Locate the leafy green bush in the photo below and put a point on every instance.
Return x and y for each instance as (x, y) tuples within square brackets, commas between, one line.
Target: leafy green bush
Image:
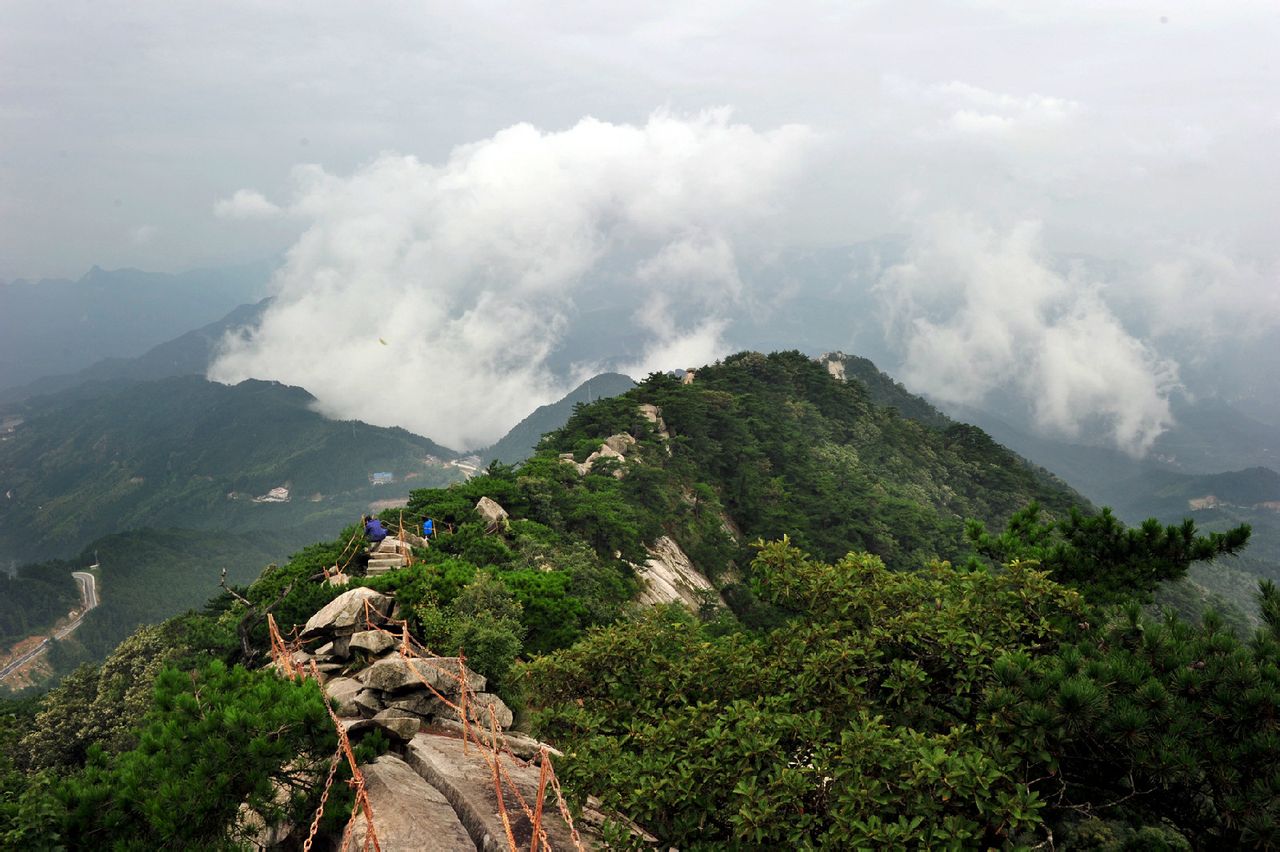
[(857, 724)]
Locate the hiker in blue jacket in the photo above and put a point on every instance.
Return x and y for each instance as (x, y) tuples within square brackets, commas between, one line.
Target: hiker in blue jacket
[(428, 527), (374, 530)]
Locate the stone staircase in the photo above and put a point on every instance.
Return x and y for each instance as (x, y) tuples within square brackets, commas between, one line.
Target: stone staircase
[(389, 555)]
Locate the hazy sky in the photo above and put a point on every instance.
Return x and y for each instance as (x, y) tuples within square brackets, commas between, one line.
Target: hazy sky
[(390, 147)]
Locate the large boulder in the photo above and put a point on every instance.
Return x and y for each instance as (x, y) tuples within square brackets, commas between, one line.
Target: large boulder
[(347, 613), (408, 813), (398, 728), (393, 673), (368, 702), (492, 513), (467, 782), (373, 641), (421, 703), (620, 443)]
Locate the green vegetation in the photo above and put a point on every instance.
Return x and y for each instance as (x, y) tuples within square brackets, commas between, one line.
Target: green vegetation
[(188, 453), (520, 442), (858, 724), (213, 739), (146, 576), (928, 644), (34, 598)]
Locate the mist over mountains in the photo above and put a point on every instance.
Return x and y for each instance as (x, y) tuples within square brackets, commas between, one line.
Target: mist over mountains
[(406, 270), (57, 326)]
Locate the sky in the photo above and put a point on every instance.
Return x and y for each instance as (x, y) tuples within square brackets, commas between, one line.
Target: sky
[(1082, 195)]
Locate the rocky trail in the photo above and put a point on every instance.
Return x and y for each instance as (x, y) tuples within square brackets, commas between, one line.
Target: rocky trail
[(443, 785), (389, 554)]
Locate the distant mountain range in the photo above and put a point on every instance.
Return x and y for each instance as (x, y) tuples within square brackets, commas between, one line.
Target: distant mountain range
[(518, 444), (186, 355), (57, 326), (184, 452)]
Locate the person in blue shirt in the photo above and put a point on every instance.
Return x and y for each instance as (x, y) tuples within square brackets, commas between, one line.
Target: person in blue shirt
[(374, 530), (428, 527)]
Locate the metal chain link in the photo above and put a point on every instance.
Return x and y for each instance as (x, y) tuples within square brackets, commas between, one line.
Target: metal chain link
[(324, 798)]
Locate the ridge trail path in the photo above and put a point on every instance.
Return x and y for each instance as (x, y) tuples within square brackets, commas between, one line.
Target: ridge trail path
[(88, 600), (389, 554)]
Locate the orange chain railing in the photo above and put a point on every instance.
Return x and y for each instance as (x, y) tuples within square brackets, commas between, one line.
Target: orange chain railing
[(492, 752)]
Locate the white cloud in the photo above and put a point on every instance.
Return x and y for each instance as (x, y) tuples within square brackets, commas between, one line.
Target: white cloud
[(431, 297), (983, 111), (246, 204), (143, 234), (1206, 291), (977, 310)]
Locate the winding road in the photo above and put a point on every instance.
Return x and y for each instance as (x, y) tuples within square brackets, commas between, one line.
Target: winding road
[(88, 600)]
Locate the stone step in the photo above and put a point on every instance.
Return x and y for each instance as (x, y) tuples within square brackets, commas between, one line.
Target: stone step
[(397, 561), (408, 813)]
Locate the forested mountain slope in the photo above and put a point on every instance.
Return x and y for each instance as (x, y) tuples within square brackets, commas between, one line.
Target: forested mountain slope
[(144, 577), (192, 454), (789, 450), (857, 694)]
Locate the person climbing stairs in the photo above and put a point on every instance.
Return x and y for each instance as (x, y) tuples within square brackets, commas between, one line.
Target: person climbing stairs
[(388, 555)]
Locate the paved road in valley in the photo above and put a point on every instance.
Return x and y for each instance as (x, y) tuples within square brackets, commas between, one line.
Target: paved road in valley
[(88, 600), (88, 588)]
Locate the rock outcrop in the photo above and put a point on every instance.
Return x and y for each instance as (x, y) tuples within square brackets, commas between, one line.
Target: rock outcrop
[(430, 791), (834, 362), (613, 447), (653, 414), (408, 812), (492, 514), (670, 577)]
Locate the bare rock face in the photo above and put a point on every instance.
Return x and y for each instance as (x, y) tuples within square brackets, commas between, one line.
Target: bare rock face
[(408, 813), (478, 709), (834, 362), (345, 614), (343, 691), (670, 577), (466, 781), (653, 414), (373, 641), (492, 513), (395, 674)]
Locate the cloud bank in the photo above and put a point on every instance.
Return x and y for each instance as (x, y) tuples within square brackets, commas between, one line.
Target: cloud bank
[(976, 311), (432, 296)]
